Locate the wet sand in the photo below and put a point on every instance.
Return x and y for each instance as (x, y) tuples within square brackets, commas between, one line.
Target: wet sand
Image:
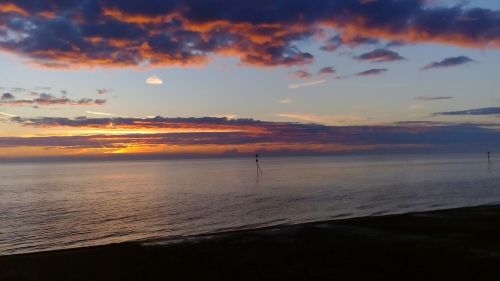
[(458, 244)]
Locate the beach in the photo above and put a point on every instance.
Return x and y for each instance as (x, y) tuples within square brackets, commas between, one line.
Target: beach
[(455, 244)]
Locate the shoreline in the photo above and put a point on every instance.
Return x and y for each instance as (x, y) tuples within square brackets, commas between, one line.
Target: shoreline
[(180, 239), (459, 243)]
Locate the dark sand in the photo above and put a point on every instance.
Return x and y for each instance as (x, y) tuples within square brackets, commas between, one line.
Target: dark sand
[(459, 244)]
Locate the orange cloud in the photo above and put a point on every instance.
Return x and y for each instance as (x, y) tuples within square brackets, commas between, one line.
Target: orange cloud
[(136, 18), (12, 8)]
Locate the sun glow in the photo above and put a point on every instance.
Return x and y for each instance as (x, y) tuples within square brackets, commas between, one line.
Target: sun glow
[(132, 131)]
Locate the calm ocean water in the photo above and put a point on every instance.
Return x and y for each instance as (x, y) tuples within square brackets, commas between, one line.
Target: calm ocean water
[(64, 205)]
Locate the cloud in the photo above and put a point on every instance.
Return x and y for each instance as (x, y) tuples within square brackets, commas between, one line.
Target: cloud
[(154, 80), (334, 43), (18, 89), (427, 123), (415, 106), (448, 62), (103, 91), (395, 44), (100, 113), (7, 114), (380, 55), (431, 98), (217, 135), (306, 84), (49, 99), (477, 111), (135, 33), (285, 101), (326, 71), (7, 96), (333, 119), (322, 73), (90, 101), (301, 74), (372, 72), (369, 72), (11, 8), (134, 123), (227, 116)]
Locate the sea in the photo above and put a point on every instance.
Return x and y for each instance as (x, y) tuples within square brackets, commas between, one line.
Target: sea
[(48, 206)]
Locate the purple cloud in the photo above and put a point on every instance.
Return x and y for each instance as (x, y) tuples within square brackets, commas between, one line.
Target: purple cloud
[(477, 111), (328, 70), (449, 62), (380, 55), (372, 72), (333, 43), (49, 99), (301, 74)]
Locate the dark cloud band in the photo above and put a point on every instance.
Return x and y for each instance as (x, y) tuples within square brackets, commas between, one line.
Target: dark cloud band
[(249, 131), (372, 72), (477, 111), (47, 99), (432, 98)]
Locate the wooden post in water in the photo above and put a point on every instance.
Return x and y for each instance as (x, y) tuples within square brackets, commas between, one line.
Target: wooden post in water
[(257, 164)]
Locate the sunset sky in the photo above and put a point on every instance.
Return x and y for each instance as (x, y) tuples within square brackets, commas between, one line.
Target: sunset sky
[(95, 78)]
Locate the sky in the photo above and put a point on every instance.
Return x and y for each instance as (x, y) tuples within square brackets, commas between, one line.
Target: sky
[(158, 78)]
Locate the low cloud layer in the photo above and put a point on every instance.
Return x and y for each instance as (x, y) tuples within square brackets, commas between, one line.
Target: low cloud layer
[(112, 33), (244, 135)]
